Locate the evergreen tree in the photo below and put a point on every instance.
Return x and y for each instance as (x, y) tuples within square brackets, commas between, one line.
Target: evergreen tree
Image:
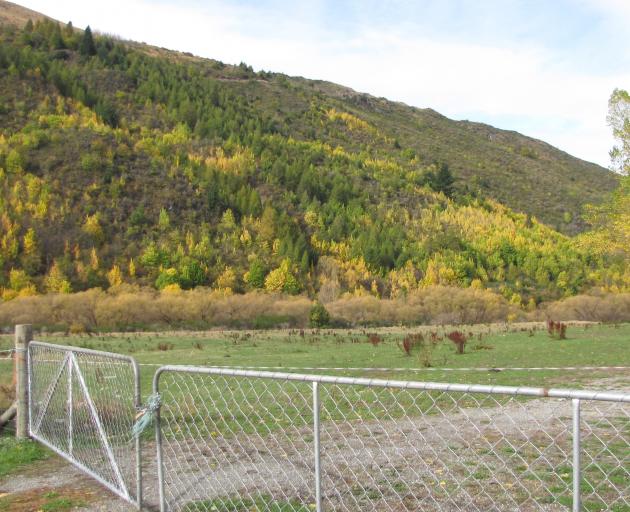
[(56, 39), (255, 276), (69, 30), (87, 46), (319, 316), (443, 181)]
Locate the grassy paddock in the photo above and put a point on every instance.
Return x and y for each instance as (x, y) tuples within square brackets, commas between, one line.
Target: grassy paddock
[(490, 346)]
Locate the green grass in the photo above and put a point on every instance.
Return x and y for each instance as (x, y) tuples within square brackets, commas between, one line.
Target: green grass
[(602, 345), (57, 503), (51, 501), (262, 503), (14, 454)]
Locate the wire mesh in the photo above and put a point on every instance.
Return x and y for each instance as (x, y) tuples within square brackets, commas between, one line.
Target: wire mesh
[(83, 405), (234, 440), (230, 443)]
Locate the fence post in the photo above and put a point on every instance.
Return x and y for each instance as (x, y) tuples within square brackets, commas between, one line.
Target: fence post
[(576, 455), (318, 472), (23, 336), (70, 412), (158, 442)]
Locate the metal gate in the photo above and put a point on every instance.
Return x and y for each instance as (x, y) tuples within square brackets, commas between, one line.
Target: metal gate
[(237, 440), (82, 405)]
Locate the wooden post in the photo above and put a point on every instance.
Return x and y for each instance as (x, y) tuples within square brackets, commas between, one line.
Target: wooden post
[(23, 336)]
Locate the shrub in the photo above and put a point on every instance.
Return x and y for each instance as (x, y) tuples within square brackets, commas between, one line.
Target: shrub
[(91, 162), (410, 341), (609, 307), (459, 339), (271, 321), (77, 328), (557, 329), (374, 339), (430, 305), (167, 277), (318, 316)]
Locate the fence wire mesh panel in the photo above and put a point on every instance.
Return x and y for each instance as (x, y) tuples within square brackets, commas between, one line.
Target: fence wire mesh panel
[(82, 405), (233, 443), (237, 440)]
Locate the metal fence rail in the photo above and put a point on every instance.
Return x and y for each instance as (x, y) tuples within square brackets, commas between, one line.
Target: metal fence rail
[(238, 440), (82, 405)]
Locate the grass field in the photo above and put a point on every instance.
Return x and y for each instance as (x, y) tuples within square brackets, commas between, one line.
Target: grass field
[(492, 346)]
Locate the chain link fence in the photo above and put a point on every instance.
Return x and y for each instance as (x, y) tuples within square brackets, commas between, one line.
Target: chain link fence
[(238, 440), (82, 405)]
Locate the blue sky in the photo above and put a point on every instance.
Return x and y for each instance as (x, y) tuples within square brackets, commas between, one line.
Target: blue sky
[(544, 68)]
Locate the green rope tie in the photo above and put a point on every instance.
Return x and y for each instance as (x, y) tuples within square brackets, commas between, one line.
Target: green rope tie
[(146, 414)]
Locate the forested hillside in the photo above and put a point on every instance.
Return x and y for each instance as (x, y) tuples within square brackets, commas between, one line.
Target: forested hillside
[(123, 163)]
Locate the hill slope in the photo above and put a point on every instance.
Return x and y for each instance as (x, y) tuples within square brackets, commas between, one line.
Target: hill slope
[(525, 174), (124, 162)]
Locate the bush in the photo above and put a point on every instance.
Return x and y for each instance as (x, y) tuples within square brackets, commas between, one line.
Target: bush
[(374, 339), (459, 339), (410, 341), (610, 307), (125, 306), (439, 305), (272, 322), (557, 329), (318, 316)]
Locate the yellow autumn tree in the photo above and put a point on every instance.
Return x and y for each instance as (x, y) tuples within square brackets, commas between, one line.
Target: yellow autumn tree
[(282, 279), (227, 280), (56, 281), (92, 226), (114, 276)]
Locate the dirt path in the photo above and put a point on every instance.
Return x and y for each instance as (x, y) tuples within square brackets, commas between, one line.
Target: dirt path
[(55, 480)]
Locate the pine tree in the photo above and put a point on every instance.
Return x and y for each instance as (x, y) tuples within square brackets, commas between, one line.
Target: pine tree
[(443, 181), (87, 46), (164, 220), (56, 39), (69, 30), (255, 276)]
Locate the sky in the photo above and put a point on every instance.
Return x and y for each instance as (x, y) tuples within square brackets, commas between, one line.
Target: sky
[(545, 68)]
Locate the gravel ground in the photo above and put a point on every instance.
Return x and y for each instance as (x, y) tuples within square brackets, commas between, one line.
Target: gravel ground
[(66, 481), (458, 461)]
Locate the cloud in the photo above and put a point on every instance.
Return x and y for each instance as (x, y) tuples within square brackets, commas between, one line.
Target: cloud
[(523, 84)]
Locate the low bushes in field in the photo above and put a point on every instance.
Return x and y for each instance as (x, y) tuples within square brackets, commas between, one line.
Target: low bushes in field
[(410, 342), (374, 339), (609, 307), (459, 339), (134, 308), (431, 305), (417, 342), (557, 330)]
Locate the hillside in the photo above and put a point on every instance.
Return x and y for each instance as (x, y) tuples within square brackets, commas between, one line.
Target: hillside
[(123, 162), (13, 14), (525, 174)]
